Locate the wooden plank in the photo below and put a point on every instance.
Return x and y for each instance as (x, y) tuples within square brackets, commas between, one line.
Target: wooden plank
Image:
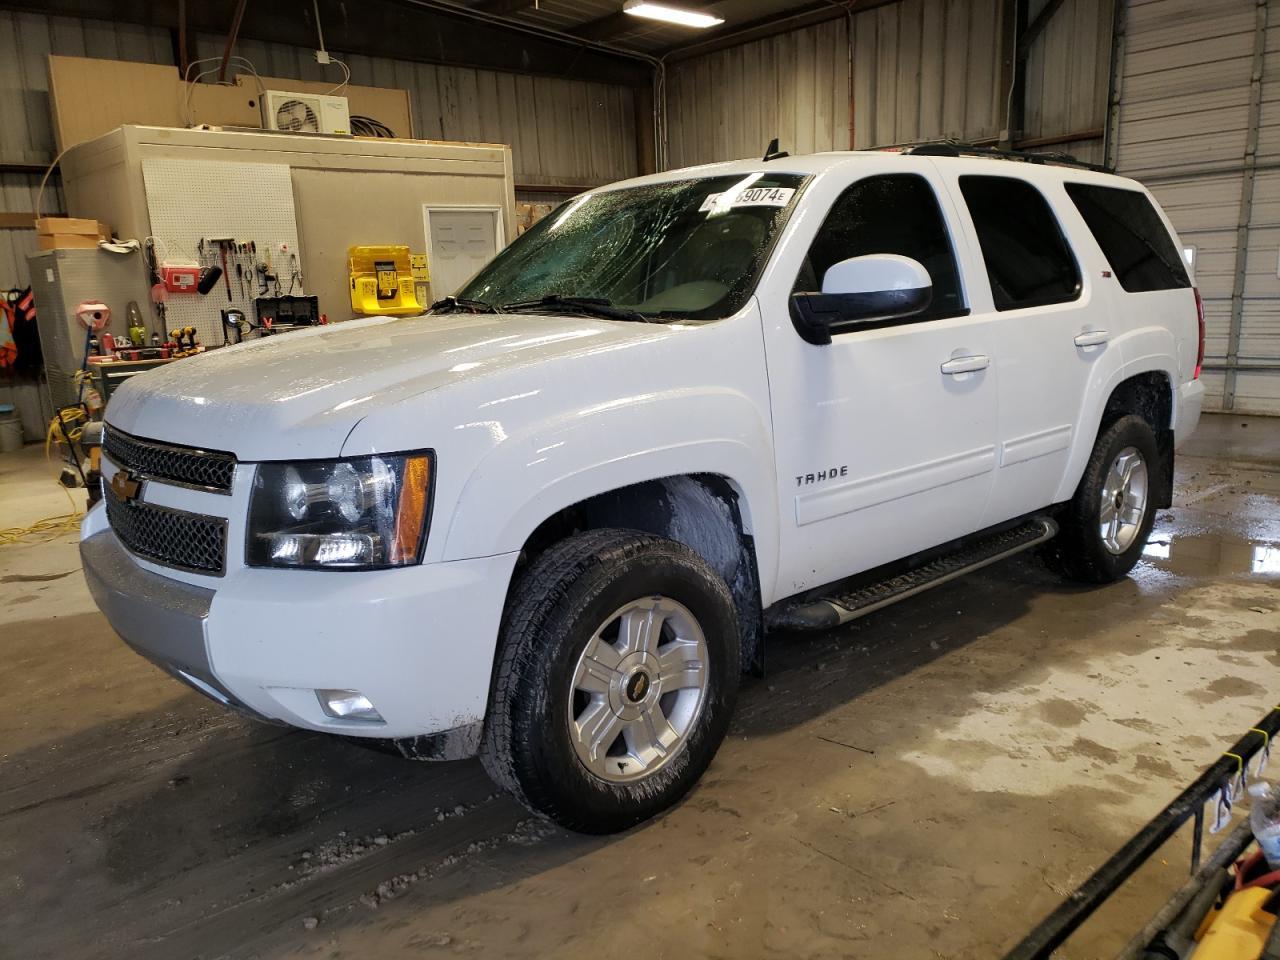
[(90, 97), (17, 221)]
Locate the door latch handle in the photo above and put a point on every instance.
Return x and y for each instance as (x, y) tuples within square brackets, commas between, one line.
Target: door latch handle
[(1092, 338), (965, 364)]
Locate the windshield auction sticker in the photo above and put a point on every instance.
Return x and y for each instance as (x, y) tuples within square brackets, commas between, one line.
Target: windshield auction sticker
[(751, 197)]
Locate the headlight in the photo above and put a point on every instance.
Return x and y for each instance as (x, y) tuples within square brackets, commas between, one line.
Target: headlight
[(340, 514)]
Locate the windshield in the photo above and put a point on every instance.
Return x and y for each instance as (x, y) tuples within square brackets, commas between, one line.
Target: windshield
[(688, 249)]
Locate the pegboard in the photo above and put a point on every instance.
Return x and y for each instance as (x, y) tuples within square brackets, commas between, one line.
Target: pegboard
[(193, 200)]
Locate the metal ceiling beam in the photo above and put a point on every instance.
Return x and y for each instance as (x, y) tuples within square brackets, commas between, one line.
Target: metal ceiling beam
[(772, 25), (602, 28), (1036, 26), (402, 29)]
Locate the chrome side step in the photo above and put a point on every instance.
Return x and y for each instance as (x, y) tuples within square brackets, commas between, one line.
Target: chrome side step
[(838, 608)]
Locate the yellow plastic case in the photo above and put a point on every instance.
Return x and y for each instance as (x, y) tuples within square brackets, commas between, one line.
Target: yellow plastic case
[(1239, 930), (383, 280)]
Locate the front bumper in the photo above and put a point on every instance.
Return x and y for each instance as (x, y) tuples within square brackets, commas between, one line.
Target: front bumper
[(418, 641), (162, 619)]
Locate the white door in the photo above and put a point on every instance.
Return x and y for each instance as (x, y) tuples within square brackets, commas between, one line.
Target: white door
[(883, 447), (1052, 330), (460, 240)]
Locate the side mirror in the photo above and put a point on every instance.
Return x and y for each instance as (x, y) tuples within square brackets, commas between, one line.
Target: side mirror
[(861, 291)]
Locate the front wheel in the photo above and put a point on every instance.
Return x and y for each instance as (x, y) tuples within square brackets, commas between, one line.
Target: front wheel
[(1107, 523), (616, 678)]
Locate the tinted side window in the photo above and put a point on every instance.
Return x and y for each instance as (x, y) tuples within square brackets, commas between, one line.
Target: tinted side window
[(896, 213), (1132, 237), (1028, 260)]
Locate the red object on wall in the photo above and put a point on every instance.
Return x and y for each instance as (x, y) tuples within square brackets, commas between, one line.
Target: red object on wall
[(180, 279)]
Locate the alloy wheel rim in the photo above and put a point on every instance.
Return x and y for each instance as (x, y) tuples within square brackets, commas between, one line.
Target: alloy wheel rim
[(1123, 502), (638, 689)]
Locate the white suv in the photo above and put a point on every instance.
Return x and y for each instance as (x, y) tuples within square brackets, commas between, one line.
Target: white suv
[(550, 521)]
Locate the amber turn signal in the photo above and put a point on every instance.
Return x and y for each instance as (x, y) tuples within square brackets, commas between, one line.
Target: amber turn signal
[(411, 514)]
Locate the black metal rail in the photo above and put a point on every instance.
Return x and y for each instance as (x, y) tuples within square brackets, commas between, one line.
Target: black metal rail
[(955, 148), (1050, 933)]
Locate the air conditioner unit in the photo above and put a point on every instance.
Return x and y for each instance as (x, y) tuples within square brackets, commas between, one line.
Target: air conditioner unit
[(305, 113)]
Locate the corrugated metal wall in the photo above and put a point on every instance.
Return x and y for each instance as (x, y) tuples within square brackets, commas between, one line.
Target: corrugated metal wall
[(732, 103), (1184, 130), (26, 134), (926, 69), (1068, 68), (923, 69), (561, 131)]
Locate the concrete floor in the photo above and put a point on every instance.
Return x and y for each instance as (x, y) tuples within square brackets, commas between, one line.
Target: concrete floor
[(928, 782)]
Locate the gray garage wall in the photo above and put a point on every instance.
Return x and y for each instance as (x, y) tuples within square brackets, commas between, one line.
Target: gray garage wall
[(561, 131), (1189, 120), (923, 69)]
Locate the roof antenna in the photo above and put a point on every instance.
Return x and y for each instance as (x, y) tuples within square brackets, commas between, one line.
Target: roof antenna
[(772, 152)]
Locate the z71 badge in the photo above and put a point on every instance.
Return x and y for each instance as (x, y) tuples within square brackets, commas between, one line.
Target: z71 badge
[(829, 474)]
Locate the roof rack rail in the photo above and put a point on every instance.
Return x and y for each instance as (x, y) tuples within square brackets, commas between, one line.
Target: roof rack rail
[(956, 148)]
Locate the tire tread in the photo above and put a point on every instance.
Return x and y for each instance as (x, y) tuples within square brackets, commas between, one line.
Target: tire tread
[(540, 590), (1076, 552)]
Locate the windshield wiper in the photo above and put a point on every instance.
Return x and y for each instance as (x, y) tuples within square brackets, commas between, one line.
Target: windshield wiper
[(594, 306), (465, 305)]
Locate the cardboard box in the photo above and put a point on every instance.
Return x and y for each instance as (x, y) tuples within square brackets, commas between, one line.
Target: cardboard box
[(65, 241), (90, 228)]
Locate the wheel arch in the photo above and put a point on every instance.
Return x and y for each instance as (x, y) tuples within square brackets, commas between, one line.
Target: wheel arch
[(1150, 394), (707, 512)]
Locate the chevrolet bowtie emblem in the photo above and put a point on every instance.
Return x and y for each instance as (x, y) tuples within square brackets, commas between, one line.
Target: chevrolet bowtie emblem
[(125, 486)]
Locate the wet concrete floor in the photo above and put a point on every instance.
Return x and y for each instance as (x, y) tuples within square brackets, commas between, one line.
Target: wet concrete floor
[(925, 783)]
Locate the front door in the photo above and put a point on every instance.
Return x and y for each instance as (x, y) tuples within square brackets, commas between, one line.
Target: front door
[(885, 438)]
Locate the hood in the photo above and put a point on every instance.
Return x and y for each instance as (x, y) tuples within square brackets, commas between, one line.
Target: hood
[(300, 394)]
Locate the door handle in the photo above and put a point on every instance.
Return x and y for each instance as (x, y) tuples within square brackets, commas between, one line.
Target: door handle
[(965, 365), (1092, 338)]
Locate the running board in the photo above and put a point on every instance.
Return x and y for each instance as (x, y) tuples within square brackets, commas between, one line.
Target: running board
[(837, 608)]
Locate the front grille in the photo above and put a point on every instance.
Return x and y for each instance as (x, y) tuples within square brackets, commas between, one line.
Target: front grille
[(207, 469), (175, 538)]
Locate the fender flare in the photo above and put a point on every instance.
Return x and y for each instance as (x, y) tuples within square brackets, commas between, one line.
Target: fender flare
[(1163, 361), (572, 457)]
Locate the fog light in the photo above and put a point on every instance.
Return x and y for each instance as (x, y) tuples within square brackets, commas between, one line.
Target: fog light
[(348, 705)]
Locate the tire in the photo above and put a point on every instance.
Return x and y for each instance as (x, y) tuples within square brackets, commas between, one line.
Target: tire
[(1082, 550), (591, 590)]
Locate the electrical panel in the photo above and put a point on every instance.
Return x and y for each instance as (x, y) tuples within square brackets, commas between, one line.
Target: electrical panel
[(60, 281)]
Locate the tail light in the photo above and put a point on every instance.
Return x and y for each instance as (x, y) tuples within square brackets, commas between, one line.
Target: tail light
[(1200, 322)]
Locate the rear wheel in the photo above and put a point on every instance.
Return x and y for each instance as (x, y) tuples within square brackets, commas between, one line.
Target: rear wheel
[(617, 676), (1107, 523)]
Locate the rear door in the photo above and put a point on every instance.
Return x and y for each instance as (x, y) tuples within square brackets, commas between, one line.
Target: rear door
[(1051, 329)]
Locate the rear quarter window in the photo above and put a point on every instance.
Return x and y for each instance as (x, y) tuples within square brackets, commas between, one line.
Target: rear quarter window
[(1132, 236), (1028, 261)]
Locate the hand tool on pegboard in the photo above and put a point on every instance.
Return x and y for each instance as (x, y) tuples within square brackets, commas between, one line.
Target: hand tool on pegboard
[(224, 244)]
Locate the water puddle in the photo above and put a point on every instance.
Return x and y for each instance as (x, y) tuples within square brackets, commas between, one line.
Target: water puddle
[(1208, 555)]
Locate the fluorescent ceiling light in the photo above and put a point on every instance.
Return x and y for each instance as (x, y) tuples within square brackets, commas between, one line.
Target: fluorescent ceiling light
[(661, 11)]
